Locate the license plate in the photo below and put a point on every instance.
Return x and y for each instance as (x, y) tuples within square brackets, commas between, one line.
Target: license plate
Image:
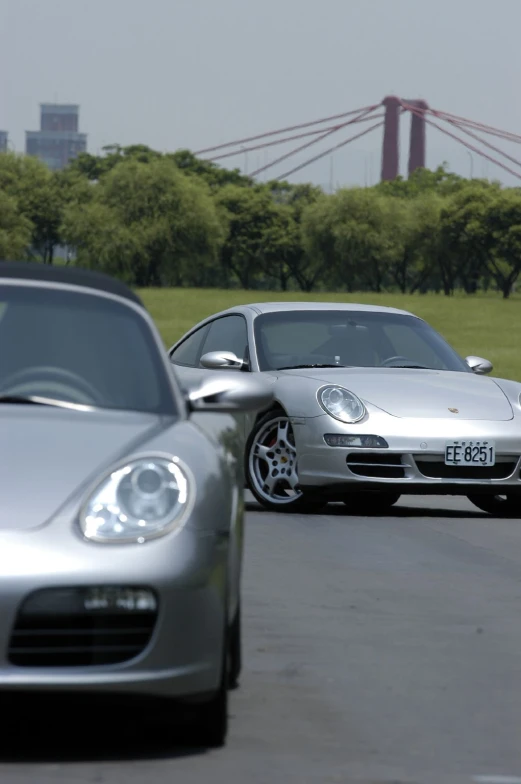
[(477, 453)]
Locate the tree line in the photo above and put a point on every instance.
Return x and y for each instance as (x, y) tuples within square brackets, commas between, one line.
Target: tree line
[(172, 219)]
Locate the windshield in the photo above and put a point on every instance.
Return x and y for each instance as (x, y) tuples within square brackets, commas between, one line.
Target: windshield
[(80, 348), (350, 338)]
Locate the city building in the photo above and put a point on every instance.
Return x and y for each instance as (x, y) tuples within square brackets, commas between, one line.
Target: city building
[(4, 141), (58, 140)]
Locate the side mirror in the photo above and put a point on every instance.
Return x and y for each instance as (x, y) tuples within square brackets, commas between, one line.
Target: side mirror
[(223, 395), (479, 365), (221, 360)]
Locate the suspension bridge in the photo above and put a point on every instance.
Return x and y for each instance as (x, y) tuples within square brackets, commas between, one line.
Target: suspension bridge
[(475, 136)]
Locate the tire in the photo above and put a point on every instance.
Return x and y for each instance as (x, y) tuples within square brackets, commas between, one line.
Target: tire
[(271, 467), (498, 505), (235, 651), (209, 728), (370, 503)]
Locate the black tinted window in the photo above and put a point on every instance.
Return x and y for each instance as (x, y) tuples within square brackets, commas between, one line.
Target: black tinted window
[(228, 333), (82, 348), (189, 351), (350, 338)]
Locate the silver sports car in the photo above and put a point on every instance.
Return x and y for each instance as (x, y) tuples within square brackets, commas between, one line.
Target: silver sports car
[(369, 403), (121, 513)]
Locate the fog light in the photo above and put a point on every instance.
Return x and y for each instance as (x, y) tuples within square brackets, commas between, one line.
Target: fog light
[(360, 441), (120, 599), (88, 599)]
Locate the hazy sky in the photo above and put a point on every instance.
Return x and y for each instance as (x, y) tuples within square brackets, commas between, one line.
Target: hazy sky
[(194, 73)]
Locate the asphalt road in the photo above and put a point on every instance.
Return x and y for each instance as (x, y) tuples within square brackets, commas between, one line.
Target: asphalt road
[(378, 651)]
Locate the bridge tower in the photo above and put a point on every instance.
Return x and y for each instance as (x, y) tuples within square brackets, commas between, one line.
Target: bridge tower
[(394, 106)]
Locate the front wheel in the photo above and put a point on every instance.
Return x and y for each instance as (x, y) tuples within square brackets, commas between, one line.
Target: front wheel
[(498, 505), (209, 726), (370, 503), (272, 470)]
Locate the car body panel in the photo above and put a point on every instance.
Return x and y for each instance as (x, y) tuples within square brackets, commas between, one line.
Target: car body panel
[(36, 436), (424, 394), (321, 465), (190, 580)]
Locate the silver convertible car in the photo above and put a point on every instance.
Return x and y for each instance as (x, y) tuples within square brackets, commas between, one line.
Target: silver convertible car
[(121, 503), (370, 403)]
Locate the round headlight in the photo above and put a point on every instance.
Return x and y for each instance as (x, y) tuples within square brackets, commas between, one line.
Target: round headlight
[(341, 404), (142, 500)]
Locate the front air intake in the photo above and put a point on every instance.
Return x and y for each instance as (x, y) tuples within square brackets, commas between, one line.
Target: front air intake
[(64, 628)]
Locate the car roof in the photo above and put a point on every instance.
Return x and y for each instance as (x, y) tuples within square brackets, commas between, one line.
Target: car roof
[(274, 307), (75, 276)]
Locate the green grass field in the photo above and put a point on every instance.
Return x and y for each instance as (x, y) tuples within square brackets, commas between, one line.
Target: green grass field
[(484, 324)]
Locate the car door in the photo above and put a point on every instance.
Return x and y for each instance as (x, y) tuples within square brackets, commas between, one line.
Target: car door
[(229, 333), (225, 333)]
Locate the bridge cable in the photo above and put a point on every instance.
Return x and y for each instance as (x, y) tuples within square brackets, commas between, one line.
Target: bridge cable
[(420, 113), (287, 130)]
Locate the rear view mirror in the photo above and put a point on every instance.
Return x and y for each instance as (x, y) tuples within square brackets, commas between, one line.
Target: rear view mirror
[(221, 360), (243, 393), (479, 365), (344, 330)]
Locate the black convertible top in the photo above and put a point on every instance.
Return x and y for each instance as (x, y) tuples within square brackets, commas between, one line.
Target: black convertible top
[(75, 276)]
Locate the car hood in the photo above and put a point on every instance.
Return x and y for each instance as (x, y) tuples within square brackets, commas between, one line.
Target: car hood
[(426, 394), (48, 454)]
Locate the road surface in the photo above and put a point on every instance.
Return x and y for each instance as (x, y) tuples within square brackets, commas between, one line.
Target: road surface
[(378, 651)]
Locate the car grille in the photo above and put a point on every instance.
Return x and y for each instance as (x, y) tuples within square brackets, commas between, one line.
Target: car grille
[(376, 465), (436, 469), (80, 639)]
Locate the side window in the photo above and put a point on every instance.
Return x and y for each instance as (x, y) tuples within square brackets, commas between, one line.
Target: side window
[(228, 333), (188, 352)]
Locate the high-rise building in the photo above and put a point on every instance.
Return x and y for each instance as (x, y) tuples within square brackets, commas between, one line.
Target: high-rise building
[(58, 140), (4, 140)]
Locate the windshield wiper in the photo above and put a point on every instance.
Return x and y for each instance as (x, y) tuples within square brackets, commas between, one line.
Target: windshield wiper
[(36, 400), (407, 367), (297, 367)]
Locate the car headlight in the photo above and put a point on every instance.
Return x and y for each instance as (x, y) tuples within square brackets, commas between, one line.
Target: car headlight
[(144, 499), (341, 404)]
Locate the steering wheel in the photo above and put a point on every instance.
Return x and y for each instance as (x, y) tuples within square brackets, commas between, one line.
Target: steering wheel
[(391, 360), (51, 382)]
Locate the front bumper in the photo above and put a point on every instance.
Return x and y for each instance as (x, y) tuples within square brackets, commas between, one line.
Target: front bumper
[(182, 656), (414, 463)]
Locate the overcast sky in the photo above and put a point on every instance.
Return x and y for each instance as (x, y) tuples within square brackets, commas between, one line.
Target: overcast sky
[(194, 73)]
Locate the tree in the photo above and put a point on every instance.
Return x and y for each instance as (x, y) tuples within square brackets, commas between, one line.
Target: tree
[(353, 235), (252, 221), (15, 229), (101, 240), (158, 226), (281, 246), (423, 181), (93, 167), (319, 241), (501, 221), (214, 175), (463, 253), (37, 192), (415, 224), (292, 202)]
